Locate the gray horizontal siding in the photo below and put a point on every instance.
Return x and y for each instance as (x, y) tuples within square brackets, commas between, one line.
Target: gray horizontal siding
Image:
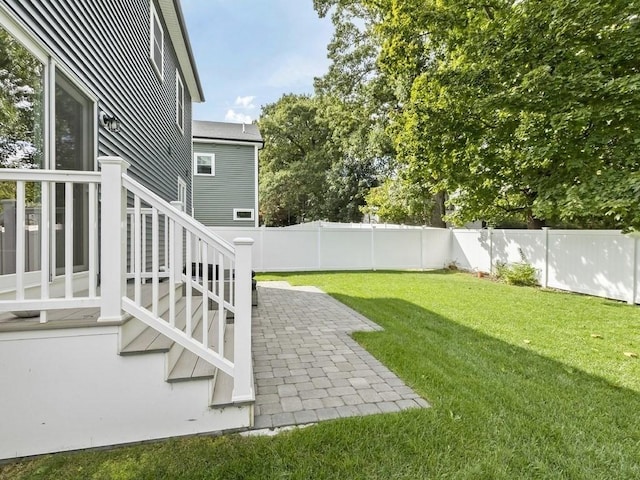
[(105, 43), (233, 186)]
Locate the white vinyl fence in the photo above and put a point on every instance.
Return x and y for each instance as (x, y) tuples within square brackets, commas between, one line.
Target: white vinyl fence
[(603, 263), (319, 247)]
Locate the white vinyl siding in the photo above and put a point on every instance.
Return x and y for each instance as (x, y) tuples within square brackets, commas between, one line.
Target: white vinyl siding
[(156, 42), (205, 164), (179, 102)]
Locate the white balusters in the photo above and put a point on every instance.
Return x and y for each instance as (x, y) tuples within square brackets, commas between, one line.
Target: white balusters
[(68, 240)]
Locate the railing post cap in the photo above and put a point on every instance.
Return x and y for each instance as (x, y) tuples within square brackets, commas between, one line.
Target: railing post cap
[(113, 161), (243, 241)]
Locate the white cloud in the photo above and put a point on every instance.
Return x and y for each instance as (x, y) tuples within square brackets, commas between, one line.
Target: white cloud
[(296, 70), (245, 102), (237, 117)]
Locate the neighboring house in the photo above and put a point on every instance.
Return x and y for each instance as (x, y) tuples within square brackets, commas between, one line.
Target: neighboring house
[(225, 173), (96, 100)]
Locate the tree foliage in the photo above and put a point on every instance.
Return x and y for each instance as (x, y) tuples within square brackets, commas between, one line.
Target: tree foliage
[(314, 165), (21, 87), (400, 202), (527, 107), (293, 163), (21, 77)]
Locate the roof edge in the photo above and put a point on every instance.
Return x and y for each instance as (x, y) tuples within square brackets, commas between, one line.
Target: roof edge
[(176, 27), (227, 140)]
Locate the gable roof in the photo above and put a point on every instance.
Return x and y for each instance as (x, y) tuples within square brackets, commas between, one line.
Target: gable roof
[(235, 132), (173, 18)]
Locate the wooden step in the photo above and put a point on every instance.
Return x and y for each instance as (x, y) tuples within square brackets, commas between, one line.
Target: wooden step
[(184, 365), (151, 341), (133, 327)]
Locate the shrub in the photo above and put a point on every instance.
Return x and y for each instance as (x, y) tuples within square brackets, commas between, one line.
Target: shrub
[(522, 274)]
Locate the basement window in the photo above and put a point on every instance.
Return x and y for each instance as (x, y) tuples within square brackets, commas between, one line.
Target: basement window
[(243, 213)]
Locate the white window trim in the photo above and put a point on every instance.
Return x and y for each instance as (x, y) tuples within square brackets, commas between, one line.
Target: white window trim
[(154, 16), (182, 193), (179, 101), (237, 210), (52, 64), (212, 156)]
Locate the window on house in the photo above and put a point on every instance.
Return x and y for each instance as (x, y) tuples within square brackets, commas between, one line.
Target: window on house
[(179, 102), (243, 213), (156, 42), (205, 164), (182, 193)]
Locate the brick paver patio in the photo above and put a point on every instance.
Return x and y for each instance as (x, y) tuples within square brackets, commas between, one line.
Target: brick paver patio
[(307, 368)]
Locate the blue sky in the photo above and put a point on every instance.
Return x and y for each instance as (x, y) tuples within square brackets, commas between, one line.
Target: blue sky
[(251, 52)]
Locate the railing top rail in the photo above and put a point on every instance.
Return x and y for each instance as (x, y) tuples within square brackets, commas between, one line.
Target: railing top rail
[(38, 175), (176, 215)]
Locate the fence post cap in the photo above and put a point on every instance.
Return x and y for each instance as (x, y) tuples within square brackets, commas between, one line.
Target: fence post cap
[(243, 241), (113, 161)]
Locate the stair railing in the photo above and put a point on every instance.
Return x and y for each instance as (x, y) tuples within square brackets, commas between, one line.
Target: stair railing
[(136, 242)]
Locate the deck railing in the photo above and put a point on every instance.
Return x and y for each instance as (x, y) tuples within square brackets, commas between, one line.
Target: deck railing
[(55, 284), (142, 239)]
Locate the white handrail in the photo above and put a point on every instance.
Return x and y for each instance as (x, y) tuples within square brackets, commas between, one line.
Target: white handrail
[(51, 176), (176, 215)]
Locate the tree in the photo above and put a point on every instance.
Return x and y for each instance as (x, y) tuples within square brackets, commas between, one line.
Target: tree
[(366, 95), (401, 202), (309, 169), (293, 164), (527, 108)]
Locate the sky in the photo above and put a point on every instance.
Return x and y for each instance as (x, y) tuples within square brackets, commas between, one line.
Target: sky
[(250, 52)]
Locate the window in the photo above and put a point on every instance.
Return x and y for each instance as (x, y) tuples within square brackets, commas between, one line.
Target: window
[(40, 96), (205, 164), (182, 193), (179, 102), (156, 42), (243, 213)]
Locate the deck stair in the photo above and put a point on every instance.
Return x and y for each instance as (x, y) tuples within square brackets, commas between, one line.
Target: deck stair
[(181, 364)]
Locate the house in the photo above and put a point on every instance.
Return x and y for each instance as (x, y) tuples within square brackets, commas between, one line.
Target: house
[(225, 173), (106, 337)]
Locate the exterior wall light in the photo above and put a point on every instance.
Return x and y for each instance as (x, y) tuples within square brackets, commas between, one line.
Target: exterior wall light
[(110, 122)]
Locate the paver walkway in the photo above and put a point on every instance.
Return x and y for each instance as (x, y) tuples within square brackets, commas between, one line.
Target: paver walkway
[(307, 368)]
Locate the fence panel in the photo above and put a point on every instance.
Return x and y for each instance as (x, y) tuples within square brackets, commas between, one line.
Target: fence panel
[(346, 249), (436, 248), (400, 249), (515, 246), (315, 247), (470, 250), (597, 263)]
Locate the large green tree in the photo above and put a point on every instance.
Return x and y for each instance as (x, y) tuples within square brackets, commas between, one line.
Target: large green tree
[(370, 97), (526, 108), (312, 166), (293, 164)]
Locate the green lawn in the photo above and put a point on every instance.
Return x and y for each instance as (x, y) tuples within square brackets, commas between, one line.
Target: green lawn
[(520, 388)]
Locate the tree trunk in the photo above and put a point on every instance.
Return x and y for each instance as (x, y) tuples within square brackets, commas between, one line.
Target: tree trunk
[(438, 210), (533, 222)]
